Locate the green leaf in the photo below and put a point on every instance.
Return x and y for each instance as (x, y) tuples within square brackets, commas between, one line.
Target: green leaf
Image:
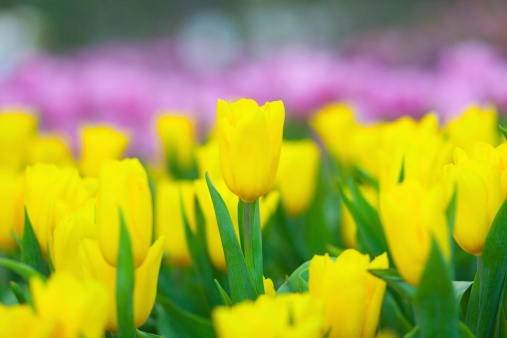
[(460, 288), (493, 269), (415, 332), (32, 254), (200, 260), (240, 283), (141, 334), (257, 248), (20, 296), (22, 269), (394, 280), (392, 317), (226, 300), (125, 284), (303, 280), (435, 299), (504, 132), (333, 250), (472, 313), (18, 242), (241, 209), (292, 284), (185, 324), (365, 176), (463, 302), (464, 331)]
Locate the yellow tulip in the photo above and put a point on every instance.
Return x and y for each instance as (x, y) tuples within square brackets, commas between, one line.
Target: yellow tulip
[(208, 160), (99, 144), (286, 315), (75, 308), (12, 213), (169, 218), (50, 149), (297, 175), (477, 177), (352, 297), (20, 321), (249, 139), (46, 185), (17, 129), (96, 267), (177, 134), (411, 216), (269, 287), (123, 185), (477, 124)]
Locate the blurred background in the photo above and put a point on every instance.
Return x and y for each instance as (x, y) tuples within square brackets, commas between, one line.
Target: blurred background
[(123, 62)]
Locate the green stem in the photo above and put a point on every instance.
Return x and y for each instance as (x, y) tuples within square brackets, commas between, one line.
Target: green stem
[(479, 269), (248, 239)]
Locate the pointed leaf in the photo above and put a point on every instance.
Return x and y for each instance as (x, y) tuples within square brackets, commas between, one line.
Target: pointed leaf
[(394, 280), (22, 269), (226, 300), (141, 334), (125, 284), (292, 284), (20, 296), (240, 282), (32, 254)]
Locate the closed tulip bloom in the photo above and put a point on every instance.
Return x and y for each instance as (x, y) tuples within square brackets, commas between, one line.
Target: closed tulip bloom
[(123, 185), (99, 144), (75, 308), (352, 297), (249, 139), (95, 267), (411, 216), (46, 186), (208, 160), (12, 214), (287, 315), (21, 321), (169, 218), (50, 149), (178, 140), (17, 129), (297, 175), (476, 176)]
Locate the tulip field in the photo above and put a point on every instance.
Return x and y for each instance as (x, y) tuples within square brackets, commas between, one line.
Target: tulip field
[(258, 224)]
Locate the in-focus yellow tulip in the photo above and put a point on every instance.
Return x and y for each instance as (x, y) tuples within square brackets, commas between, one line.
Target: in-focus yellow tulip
[(123, 185), (50, 149), (46, 186), (286, 315), (20, 321), (75, 308), (169, 218), (249, 139), (411, 216), (297, 175), (17, 129), (477, 178), (477, 124), (99, 144), (12, 213), (178, 139), (95, 267), (352, 297)]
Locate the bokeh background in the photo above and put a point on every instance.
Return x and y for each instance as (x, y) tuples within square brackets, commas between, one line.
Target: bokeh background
[(124, 62)]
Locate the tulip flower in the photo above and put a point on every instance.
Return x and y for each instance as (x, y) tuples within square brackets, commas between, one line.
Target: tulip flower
[(76, 308), (208, 160), (12, 213), (96, 267), (477, 178), (50, 149), (169, 218), (352, 297), (46, 185), (286, 315), (17, 129), (22, 321), (477, 124), (297, 175), (99, 144), (123, 186), (412, 216), (177, 134), (250, 139)]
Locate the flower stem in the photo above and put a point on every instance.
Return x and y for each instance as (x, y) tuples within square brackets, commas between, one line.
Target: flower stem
[(248, 240)]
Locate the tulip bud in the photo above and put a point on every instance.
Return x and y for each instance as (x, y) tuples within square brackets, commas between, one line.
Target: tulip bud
[(101, 143), (169, 218), (297, 175), (286, 315), (476, 177), (76, 308), (352, 297), (177, 134), (208, 160), (50, 149), (250, 139), (95, 267), (123, 186), (411, 217), (12, 213), (17, 129)]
